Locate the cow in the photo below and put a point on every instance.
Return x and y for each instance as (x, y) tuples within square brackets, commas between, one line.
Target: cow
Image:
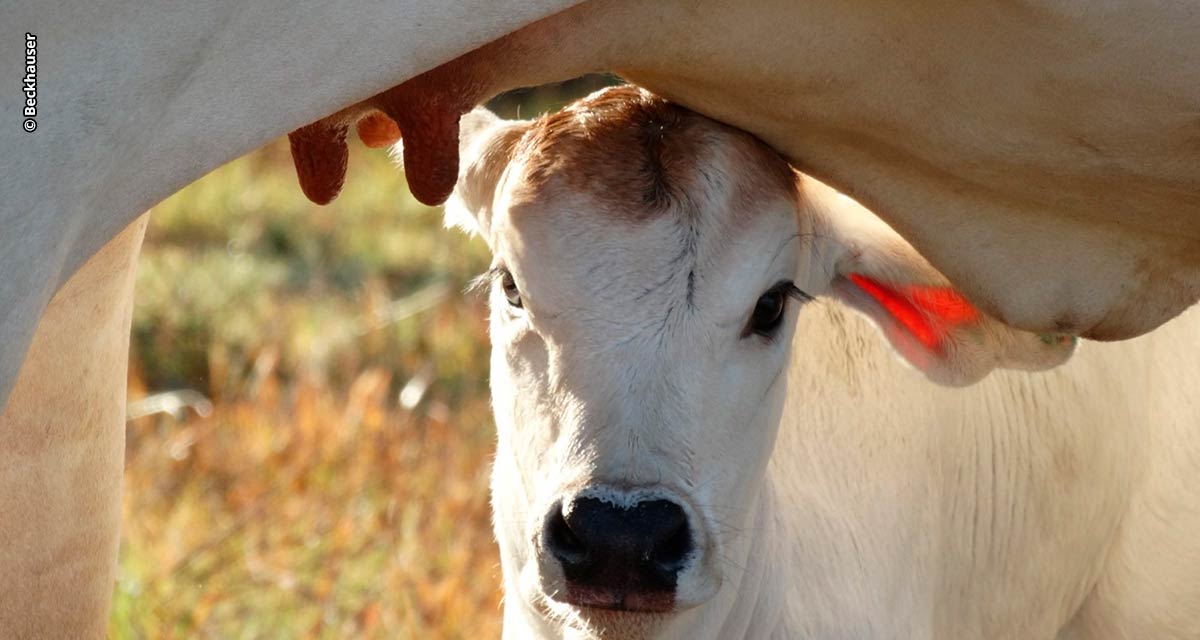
[(1047, 142), (732, 403)]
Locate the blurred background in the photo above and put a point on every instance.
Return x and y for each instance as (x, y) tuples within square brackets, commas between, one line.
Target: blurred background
[(309, 437)]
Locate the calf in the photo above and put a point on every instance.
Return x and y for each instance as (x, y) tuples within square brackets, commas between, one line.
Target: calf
[(668, 297)]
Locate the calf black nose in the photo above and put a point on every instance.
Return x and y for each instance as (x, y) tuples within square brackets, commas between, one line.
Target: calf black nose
[(609, 553)]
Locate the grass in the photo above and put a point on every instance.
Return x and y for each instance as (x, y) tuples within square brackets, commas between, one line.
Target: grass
[(310, 501)]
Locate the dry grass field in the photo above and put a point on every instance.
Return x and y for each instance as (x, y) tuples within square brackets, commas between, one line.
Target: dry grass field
[(318, 466)]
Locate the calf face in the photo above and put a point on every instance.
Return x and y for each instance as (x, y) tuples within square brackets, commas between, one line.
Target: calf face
[(639, 332), (648, 265)]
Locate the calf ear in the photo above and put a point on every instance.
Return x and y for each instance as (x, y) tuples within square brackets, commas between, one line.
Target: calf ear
[(486, 145), (927, 321)]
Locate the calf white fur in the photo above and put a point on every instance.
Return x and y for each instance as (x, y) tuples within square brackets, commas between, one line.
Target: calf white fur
[(702, 434)]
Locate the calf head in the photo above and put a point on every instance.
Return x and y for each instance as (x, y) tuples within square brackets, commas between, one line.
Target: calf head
[(648, 266)]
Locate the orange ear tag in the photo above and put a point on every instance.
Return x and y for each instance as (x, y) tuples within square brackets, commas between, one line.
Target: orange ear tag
[(928, 313)]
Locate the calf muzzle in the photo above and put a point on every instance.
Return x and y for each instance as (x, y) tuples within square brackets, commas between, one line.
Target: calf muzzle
[(621, 557)]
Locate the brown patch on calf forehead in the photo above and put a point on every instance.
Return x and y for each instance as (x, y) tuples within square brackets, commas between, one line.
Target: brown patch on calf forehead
[(764, 177), (643, 156)]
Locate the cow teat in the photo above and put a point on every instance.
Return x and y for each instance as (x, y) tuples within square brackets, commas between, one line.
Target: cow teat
[(424, 111)]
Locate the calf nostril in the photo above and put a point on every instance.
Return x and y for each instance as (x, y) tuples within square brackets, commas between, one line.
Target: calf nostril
[(671, 554), (563, 543)]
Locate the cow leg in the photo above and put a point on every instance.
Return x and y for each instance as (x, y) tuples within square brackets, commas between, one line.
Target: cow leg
[(62, 439)]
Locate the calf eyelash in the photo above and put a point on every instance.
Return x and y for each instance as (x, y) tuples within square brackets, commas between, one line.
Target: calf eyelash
[(480, 284), (792, 291), (767, 316)]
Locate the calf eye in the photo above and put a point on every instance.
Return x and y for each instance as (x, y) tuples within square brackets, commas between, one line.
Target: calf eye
[(768, 312), (510, 290)]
